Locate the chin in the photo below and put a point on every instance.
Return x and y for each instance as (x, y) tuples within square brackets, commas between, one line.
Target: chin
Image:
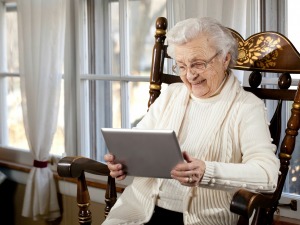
[(199, 94)]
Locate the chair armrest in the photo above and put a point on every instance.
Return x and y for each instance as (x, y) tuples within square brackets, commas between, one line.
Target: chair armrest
[(244, 202), (73, 166)]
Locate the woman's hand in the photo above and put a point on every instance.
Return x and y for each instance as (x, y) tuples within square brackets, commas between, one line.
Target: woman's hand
[(189, 173), (116, 169)]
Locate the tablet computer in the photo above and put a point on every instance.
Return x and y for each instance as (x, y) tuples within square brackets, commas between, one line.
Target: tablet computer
[(144, 153)]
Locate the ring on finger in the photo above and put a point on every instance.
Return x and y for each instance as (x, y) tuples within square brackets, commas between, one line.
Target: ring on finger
[(190, 179)]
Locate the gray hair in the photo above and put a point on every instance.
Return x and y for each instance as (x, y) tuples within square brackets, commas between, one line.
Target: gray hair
[(192, 28)]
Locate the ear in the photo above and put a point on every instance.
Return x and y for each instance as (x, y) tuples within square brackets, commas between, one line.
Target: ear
[(227, 60)]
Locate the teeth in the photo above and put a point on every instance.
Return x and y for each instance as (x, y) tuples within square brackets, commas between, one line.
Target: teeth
[(201, 81)]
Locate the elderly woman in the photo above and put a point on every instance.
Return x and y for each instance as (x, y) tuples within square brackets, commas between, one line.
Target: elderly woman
[(222, 130)]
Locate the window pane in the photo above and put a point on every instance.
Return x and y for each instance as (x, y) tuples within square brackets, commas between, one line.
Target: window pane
[(12, 42), (139, 96), (108, 104), (292, 184), (116, 105), (142, 32), (16, 136), (104, 110), (58, 144), (293, 31), (115, 38)]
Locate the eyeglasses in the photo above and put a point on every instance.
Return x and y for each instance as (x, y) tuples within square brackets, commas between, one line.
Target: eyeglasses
[(195, 67)]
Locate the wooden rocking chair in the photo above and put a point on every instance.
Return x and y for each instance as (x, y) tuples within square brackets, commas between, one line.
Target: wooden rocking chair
[(263, 52)]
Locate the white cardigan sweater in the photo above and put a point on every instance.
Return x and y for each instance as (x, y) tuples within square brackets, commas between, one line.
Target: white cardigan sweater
[(238, 129)]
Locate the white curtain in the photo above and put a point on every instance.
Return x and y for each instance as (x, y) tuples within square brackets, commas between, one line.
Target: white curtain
[(231, 13), (41, 48), (236, 14)]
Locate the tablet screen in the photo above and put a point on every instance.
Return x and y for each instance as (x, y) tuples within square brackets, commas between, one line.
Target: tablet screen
[(144, 153)]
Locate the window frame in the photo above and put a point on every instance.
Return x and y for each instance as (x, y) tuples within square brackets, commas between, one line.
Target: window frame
[(93, 73)]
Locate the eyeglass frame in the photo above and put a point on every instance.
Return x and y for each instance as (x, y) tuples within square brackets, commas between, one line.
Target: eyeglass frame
[(193, 70)]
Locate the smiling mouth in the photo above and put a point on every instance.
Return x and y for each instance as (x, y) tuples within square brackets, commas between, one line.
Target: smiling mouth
[(200, 82)]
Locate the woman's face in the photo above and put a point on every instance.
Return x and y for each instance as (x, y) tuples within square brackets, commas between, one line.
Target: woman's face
[(205, 83)]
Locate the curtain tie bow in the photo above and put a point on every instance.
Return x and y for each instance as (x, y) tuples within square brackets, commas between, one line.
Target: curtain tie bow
[(40, 164)]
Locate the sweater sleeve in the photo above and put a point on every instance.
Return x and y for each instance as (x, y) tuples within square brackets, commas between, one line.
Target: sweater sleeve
[(259, 167)]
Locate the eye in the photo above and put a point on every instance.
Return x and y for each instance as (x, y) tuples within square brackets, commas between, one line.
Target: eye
[(181, 67), (198, 65)]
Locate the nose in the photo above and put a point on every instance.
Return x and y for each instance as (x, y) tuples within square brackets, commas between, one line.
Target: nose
[(191, 75)]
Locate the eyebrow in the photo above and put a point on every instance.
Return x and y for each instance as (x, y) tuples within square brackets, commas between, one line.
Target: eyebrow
[(195, 59)]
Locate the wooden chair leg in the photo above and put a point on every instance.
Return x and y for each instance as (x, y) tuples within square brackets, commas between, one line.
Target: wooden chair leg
[(83, 201), (243, 221), (110, 195), (263, 217)]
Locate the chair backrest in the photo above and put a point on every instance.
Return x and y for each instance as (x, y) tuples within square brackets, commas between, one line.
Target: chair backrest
[(263, 52)]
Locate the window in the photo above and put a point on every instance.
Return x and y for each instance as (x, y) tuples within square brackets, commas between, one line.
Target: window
[(292, 185), (12, 133), (115, 82)]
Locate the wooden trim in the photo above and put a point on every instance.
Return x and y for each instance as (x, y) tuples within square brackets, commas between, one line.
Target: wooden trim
[(90, 182), (15, 166), (280, 220)]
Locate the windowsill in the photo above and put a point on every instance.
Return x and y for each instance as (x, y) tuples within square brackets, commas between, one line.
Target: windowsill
[(21, 160), (90, 181)]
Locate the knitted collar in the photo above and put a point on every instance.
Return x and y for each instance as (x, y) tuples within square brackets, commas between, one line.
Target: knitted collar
[(173, 116)]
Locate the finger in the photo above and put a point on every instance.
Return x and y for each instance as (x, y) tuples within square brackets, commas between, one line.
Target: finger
[(182, 174), (114, 167), (183, 167), (187, 157), (117, 174), (122, 177), (182, 180), (109, 157)]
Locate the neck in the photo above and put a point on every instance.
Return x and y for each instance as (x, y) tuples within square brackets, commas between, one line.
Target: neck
[(221, 85)]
